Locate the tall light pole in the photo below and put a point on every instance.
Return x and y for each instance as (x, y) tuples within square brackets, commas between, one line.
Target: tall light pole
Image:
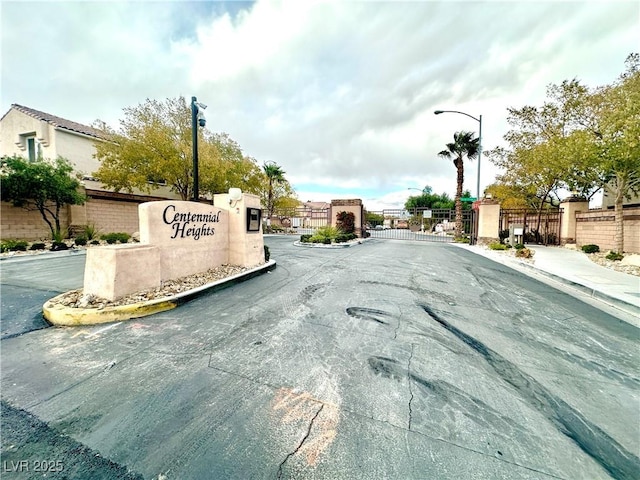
[(479, 120), (197, 118)]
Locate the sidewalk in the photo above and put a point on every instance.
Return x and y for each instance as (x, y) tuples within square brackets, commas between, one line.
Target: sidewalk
[(574, 269)]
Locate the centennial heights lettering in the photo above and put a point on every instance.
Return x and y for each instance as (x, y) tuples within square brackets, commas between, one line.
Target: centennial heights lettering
[(189, 224)]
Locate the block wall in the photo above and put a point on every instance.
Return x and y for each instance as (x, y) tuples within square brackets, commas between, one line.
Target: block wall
[(598, 227), (20, 224), (113, 215)]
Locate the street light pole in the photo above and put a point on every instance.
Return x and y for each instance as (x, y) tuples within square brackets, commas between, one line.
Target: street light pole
[(479, 120), (197, 118), (194, 142)]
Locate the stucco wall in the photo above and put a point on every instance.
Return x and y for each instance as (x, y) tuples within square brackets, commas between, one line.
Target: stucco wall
[(598, 227), (77, 148), (354, 206)]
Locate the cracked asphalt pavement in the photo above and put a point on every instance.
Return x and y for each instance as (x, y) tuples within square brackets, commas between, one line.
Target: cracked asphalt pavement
[(390, 359)]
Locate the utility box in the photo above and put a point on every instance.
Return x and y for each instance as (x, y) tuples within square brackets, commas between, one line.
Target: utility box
[(516, 234)]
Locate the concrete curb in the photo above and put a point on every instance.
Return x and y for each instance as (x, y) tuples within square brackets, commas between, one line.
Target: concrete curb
[(590, 291), (42, 255), (66, 316)]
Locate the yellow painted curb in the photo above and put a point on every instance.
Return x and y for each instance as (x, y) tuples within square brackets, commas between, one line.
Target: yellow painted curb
[(69, 317)]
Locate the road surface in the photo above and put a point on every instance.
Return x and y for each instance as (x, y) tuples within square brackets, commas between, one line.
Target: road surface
[(390, 359)]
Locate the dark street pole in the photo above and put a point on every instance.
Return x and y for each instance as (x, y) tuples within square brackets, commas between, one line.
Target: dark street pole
[(194, 141)]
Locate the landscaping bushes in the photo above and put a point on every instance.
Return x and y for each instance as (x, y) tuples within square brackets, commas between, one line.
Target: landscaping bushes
[(590, 248), (116, 237)]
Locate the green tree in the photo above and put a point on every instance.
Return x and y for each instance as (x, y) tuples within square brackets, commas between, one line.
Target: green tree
[(154, 145), (615, 139), (464, 144), (42, 186), (428, 199)]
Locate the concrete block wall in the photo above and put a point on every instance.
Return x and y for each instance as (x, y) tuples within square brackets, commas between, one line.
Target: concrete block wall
[(112, 215), (20, 224), (598, 227)]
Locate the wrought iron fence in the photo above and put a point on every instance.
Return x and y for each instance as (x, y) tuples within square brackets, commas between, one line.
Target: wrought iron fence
[(541, 227)]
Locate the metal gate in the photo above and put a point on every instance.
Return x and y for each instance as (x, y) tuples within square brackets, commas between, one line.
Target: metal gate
[(298, 220), (540, 227), (431, 225)]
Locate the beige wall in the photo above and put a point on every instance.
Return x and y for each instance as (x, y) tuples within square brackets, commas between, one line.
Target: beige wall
[(20, 224), (112, 215), (78, 149), (598, 227), (55, 142)]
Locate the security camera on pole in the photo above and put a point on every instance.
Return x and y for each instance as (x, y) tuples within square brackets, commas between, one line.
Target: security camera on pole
[(197, 118)]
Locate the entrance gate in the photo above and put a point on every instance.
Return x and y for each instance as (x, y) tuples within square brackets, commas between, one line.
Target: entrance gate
[(541, 227), (421, 223)]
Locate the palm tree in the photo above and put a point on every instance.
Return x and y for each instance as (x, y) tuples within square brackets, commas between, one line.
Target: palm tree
[(274, 174), (463, 144)]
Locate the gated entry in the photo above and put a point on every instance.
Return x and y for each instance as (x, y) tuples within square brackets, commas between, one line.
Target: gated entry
[(432, 225), (538, 227)]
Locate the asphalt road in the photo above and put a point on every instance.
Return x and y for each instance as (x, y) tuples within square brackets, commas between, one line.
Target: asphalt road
[(391, 359)]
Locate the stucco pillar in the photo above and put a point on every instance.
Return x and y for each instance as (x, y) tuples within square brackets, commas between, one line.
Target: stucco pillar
[(488, 221), (246, 248), (570, 207)]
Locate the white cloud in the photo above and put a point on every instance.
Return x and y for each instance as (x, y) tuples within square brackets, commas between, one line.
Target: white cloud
[(339, 93)]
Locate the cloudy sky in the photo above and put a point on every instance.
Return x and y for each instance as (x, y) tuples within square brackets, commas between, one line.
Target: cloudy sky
[(340, 94)]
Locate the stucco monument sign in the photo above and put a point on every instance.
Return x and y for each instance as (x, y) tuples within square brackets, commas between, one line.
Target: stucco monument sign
[(177, 239)]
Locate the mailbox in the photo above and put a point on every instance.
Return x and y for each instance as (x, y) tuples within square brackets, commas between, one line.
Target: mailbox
[(253, 219)]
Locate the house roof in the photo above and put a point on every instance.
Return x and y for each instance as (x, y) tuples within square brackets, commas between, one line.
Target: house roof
[(60, 122)]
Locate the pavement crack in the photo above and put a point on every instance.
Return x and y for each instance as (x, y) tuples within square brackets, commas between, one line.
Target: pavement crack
[(304, 439), (410, 389)]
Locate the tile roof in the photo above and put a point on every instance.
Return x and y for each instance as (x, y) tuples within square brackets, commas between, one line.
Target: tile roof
[(60, 122)]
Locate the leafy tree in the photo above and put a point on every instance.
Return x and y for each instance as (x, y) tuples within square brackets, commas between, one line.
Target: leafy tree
[(429, 200), (615, 139), (579, 139), (464, 144), (154, 145), (42, 186)]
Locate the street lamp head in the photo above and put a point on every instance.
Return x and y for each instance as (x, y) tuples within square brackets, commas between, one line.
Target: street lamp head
[(438, 112)]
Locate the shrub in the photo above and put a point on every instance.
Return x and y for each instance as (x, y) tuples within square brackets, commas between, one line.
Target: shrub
[(305, 238), (346, 222), (37, 246), (80, 241), (19, 246), (342, 238), (524, 253), (325, 233), (111, 238), (462, 240), (95, 242), (590, 248), (267, 254), (615, 256), (518, 246), (59, 246), (503, 234), (497, 246)]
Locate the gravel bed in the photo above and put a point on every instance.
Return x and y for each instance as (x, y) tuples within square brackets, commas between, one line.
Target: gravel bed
[(77, 299)]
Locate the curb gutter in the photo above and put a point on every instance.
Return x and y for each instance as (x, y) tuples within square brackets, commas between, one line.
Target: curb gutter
[(60, 315)]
